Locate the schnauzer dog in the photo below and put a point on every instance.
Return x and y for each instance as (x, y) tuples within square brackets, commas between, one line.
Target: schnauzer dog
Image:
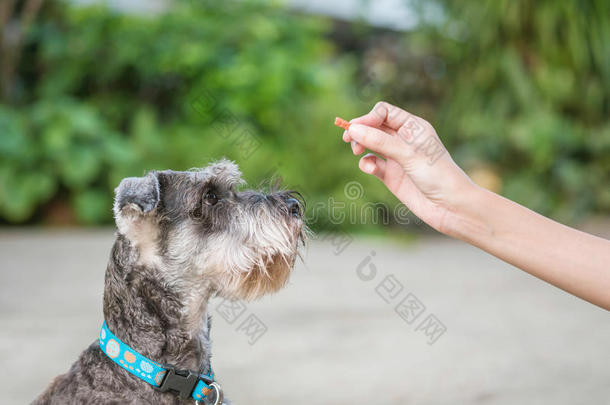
[(183, 237)]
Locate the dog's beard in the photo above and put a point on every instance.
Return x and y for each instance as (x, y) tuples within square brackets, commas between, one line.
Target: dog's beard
[(260, 281), (257, 263)]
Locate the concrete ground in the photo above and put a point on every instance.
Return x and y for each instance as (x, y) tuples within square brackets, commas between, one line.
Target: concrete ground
[(331, 337)]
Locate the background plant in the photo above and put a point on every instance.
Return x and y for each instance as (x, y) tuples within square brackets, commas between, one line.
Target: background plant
[(102, 95), (518, 90)]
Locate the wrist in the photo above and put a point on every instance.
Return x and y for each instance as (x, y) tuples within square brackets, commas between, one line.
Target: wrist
[(466, 215)]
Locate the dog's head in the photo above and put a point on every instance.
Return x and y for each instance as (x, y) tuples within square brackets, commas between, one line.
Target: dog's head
[(200, 231)]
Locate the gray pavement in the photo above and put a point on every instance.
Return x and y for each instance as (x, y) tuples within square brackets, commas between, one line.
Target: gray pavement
[(331, 336)]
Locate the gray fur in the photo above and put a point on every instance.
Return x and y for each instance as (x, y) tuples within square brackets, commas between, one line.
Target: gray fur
[(141, 191), (173, 252)]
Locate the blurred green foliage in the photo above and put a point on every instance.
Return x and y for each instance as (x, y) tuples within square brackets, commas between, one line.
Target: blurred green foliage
[(532, 95), (518, 87), (106, 95)]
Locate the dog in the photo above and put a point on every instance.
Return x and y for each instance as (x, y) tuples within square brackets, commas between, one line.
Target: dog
[(183, 238)]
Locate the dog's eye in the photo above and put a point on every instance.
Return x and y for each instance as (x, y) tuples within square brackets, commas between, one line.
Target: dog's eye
[(210, 198)]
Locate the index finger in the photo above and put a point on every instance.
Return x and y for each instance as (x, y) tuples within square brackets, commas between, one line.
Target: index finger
[(376, 140)]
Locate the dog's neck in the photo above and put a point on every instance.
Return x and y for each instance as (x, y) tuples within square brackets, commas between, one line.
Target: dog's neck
[(146, 314)]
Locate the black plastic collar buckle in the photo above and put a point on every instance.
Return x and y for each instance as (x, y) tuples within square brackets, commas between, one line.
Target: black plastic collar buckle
[(181, 382)]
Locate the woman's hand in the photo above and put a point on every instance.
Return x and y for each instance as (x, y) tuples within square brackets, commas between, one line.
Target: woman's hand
[(412, 162), (415, 166)]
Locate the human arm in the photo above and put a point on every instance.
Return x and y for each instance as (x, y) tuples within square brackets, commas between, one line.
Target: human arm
[(412, 162)]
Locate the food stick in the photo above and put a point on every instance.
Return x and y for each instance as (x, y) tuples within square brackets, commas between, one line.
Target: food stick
[(340, 122)]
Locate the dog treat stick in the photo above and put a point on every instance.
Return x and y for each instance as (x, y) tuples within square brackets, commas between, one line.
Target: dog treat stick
[(340, 122)]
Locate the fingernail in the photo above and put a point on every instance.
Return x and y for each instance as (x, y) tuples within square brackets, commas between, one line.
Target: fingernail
[(369, 167), (353, 143)]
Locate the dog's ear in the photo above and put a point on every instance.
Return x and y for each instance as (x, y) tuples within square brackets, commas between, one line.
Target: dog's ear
[(137, 195)]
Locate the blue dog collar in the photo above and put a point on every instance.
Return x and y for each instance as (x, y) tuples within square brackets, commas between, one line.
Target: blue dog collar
[(164, 378)]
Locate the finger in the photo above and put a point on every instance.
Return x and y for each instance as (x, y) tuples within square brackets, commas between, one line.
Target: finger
[(373, 164), (357, 149), (384, 114), (347, 138), (377, 141)]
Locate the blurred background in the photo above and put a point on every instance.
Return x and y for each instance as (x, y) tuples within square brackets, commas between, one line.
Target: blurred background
[(93, 92), (519, 92)]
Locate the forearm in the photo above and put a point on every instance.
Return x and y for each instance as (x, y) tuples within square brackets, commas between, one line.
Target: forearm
[(574, 261)]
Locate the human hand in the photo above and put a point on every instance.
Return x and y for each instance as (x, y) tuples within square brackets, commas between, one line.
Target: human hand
[(416, 168), (412, 162)]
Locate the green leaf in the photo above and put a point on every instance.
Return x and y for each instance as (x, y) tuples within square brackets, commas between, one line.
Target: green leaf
[(92, 206)]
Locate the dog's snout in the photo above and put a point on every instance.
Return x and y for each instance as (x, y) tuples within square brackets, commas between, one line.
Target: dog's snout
[(294, 207)]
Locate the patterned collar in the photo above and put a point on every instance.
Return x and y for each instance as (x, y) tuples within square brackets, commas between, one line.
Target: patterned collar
[(184, 383)]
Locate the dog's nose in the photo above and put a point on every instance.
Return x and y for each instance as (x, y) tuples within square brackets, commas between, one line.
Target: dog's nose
[(294, 207)]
